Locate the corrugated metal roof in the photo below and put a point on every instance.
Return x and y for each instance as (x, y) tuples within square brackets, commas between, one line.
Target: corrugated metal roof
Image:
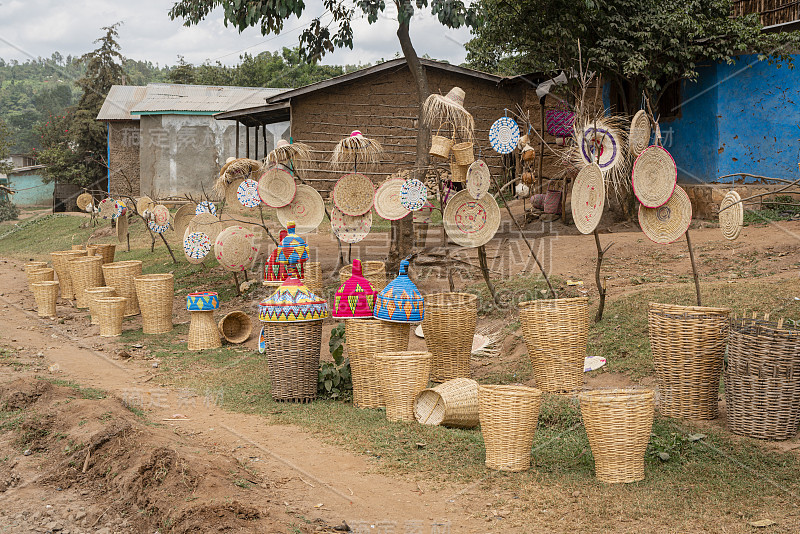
[(164, 97), (120, 100)]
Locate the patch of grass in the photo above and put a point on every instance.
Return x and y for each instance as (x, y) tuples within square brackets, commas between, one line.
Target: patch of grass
[(84, 392)]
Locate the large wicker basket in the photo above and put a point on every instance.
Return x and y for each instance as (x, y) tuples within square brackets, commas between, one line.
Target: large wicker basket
[(46, 295), (618, 423), (762, 380), (155, 293), (364, 339), (235, 327), (454, 403), (292, 352), (508, 415), (688, 345), (106, 251), (373, 271), (449, 326), (110, 311), (84, 272), (556, 332), (60, 259), (120, 275), (402, 375), (92, 294)]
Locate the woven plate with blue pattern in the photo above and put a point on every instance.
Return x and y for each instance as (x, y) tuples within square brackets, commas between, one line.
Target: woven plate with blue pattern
[(504, 135)]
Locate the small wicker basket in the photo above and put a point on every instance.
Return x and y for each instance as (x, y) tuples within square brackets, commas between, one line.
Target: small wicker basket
[(84, 272), (458, 173), (618, 423), (373, 271), (110, 311), (440, 146), (556, 332), (106, 251), (235, 327), (60, 259), (120, 275), (92, 294), (454, 404), (449, 325), (462, 153), (46, 274), (203, 331), (402, 375), (292, 352), (508, 415), (155, 294), (46, 295), (366, 338)]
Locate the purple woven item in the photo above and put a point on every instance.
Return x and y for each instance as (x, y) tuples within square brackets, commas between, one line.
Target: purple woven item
[(559, 122), (552, 202)]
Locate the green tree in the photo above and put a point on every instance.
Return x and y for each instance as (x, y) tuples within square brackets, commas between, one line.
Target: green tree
[(319, 38), (641, 46), (183, 72), (5, 147)]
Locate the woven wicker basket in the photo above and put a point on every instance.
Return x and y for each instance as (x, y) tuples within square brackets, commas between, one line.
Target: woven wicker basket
[(373, 271), (688, 345), (33, 266), (84, 272), (110, 311), (312, 277), (402, 375), (462, 153), (46, 274), (449, 325), (440, 146), (454, 403), (508, 415), (203, 331), (618, 423), (60, 259), (46, 295), (458, 173), (120, 275), (292, 352), (366, 338), (92, 294), (78, 247), (91, 250), (762, 380), (556, 332), (155, 293), (235, 327), (106, 251)]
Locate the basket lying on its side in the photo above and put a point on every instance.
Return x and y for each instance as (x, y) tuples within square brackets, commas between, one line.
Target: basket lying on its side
[(235, 327), (453, 403)]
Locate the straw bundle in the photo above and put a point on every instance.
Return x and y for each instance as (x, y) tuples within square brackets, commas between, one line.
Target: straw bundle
[(297, 153), (238, 168), (449, 108)]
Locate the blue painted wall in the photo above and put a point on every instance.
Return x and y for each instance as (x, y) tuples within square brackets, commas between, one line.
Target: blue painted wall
[(30, 190)]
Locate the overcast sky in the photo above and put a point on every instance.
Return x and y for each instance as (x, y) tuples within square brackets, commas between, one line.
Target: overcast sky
[(31, 28)]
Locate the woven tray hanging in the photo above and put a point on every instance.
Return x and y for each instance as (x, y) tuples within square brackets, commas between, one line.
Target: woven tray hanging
[(654, 176), (354, 194), (307, 210), (276, 188), (504, 135), (470, 222), (234, 248), (349, 229), (196, 246), (205, 207), (182, 218), (639, 136), (731, 215), (602, 144), (413, 194), (479, 179), (669, 222), (387, 200), (588, 198)]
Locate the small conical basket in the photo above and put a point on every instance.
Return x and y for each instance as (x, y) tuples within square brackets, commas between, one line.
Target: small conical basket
[(449, 326), (508, 415), (46, 295), (556, 332), (618, 424), (365, 339), (60, 259), (373, 271), (292, 353), (203, 331), (453, 404), (155, 293), (235, 327), (402, 375), (110, 311), (85, 272), (106, 251), (312, 276), (46, 274), (120, 275), (94, 293)]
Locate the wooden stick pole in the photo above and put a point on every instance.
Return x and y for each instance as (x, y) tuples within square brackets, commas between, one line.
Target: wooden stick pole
[(694, 268), (485, 271)]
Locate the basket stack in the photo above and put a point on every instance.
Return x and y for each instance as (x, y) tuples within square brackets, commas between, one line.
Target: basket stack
[(60, 259), (33, 266), (618, 424), (453, 404), (688, 345), (46, 295), (508, 416), (203, 331), (556, 332), (120, 275), (367, 338), (403, 375), (762, 380), (155, 293), (449, 326), (92, 294), (84, 272)]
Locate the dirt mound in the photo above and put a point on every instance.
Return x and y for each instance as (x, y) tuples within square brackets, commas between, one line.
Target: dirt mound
[(202, 519), (21, 393)]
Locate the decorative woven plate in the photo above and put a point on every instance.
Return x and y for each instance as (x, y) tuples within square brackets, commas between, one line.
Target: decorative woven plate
[(470, 222), (182, 217), (479, 179), (231, 194), (196, 246), (108, 208), (158, 228), (247, 194), (601, 145), (654, 176), (387, 200), (206, 223), (639, 136), (504, 135), (669, 222), (122, 209), (413, 194), (353, 194), (588, 198), (731, 219), (160, 214), (144, 203), (122, 228), (276, 188), (350, 229), (307, 210), (205, 207), (234, 248), (84, 200)]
